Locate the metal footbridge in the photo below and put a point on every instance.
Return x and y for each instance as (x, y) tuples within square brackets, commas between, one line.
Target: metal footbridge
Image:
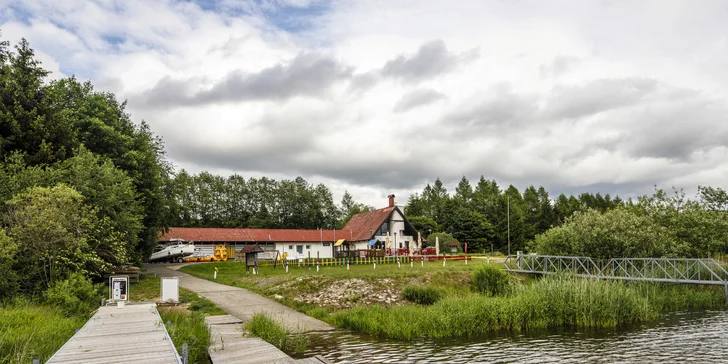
[(671, 270)]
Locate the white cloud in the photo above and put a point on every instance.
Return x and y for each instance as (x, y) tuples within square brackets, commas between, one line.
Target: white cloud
[(618, 96)]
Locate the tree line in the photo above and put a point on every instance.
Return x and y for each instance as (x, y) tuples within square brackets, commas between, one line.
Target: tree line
[(481, 215)]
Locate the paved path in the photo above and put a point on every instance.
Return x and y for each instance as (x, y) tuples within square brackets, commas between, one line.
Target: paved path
[(130, 334), (242, 303)]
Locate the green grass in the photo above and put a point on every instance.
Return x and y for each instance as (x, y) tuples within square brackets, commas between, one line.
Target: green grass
[(29, 330), (549, 302), (264, 327), (148, 290), (423, 295), (454, 277), (189, 328)]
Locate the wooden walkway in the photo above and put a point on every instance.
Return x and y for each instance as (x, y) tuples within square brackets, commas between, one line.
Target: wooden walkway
[(132, 334), (230, 346)]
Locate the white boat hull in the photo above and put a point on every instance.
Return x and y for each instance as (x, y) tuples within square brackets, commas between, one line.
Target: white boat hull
[(172, 253)]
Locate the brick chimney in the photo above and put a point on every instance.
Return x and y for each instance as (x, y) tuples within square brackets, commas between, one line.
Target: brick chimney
[(391, 200)]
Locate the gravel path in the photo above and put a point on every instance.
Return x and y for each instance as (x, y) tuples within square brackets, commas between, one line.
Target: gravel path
[(242, 303)]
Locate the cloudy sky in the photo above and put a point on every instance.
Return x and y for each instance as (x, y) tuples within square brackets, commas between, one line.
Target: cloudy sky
[(382, 97)]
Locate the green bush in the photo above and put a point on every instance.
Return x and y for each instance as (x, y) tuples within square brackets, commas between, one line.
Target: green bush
[(75, 295), (264, 327), (423, 295), (490, 280)]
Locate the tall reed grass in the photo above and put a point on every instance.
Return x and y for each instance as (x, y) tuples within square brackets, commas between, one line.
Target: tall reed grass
[(185, 327), (264, 327), (550, 302), (30, 330)]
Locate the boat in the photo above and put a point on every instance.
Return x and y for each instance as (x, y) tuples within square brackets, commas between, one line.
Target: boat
[(174, 251)]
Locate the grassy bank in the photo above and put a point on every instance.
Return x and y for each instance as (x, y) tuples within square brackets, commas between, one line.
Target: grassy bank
[(458, 300), (549, 302), (31, 330), (264, 327)]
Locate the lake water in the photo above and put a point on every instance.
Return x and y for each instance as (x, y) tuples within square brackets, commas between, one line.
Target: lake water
[(696, 337)]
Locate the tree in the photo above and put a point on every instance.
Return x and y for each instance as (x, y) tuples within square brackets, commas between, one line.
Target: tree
[(424, 225), (444, 240), (464, 192), (8, 251), (58, 235)]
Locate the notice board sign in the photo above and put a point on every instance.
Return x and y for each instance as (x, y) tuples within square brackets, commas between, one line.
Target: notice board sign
[(119, 288), (170, 290)]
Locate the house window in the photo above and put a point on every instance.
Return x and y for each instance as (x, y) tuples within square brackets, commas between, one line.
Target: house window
[(308, 247), (290, 247), (327, 244), (383, 229), (299, 249)]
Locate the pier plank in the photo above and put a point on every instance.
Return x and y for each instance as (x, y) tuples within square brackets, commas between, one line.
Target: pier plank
[(134, 333)]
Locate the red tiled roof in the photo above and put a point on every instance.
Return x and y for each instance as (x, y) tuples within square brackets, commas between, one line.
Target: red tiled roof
[(253, 235), (364, 224)]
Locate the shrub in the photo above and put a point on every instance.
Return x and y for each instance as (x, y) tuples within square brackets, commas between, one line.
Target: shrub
[(423, 295), (264, 327), (75, 295), (490, 280)]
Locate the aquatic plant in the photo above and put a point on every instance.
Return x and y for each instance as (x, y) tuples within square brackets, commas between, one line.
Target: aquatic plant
[(264, 327), (550, 302), (424, 295), (490, 280)]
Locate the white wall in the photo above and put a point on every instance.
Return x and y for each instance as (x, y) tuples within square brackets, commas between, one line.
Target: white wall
[(312, 247), (396, 225)]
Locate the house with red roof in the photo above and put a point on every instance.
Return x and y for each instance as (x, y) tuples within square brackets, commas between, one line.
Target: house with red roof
[(385, 228)]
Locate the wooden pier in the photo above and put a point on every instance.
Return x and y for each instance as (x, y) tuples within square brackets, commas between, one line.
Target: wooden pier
[(131, 334), (230, 346)]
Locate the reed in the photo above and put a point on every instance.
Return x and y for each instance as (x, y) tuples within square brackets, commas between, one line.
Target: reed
[(423, 295), (29, 330), (264, 327), (185, 327), (559, 301)]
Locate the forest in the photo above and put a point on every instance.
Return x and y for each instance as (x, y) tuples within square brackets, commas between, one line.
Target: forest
[(83, 187)]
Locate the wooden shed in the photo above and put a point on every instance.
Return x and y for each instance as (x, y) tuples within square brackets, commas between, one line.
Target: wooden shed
[(250, 252)]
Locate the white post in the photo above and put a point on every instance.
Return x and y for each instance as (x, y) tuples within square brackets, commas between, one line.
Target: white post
[(317, 268), (375, 265), (466, 260), (399, 265), (423, 262), (443, 262), (214, 275), (412, 264), (286, 268), (347, 266)]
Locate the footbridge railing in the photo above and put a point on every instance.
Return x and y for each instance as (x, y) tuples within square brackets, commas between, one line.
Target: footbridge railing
[(672, 270)]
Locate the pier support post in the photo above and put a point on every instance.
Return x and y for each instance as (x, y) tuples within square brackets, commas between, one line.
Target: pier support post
[(726, 293)]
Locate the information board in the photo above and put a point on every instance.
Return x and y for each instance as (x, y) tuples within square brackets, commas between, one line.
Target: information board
[(119, 288)]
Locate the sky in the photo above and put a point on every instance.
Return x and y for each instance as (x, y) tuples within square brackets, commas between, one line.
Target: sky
[(381, 97)]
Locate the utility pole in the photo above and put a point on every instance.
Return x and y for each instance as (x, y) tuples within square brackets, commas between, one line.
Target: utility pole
[(509, 225)]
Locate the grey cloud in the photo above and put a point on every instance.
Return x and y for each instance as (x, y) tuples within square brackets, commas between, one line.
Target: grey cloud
[(416, 99), (503, 109), (431, 60), (307, 74), (570, 102), (559, 66), (364, 81), (677, 128)]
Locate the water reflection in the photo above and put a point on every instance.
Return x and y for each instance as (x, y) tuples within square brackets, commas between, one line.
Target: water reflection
[(679, 337)]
